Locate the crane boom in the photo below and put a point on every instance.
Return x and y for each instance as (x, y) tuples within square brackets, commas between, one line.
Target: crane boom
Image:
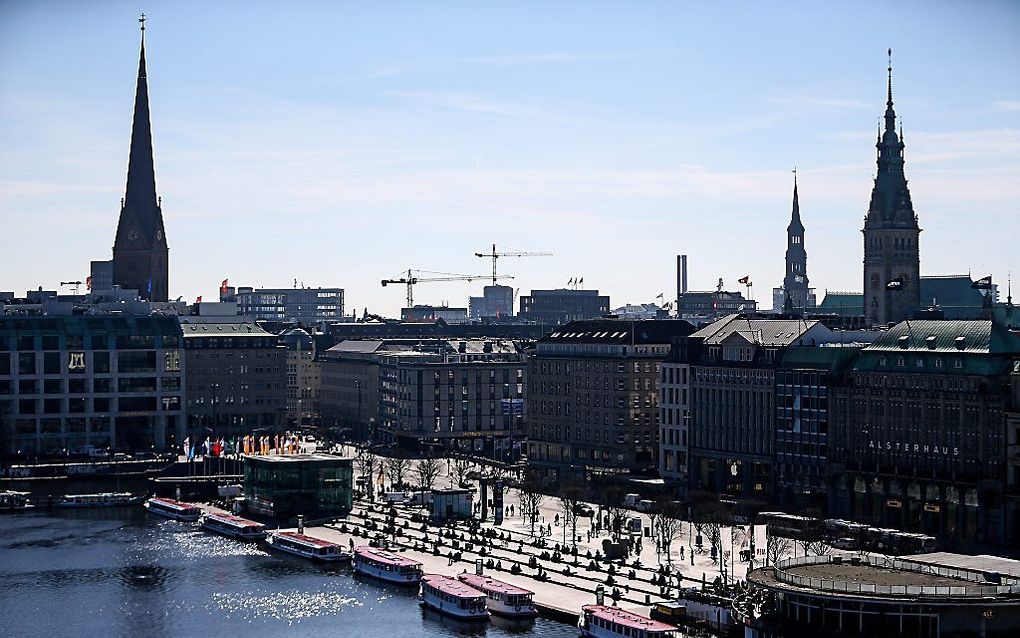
[(495, 255), (411, 279)]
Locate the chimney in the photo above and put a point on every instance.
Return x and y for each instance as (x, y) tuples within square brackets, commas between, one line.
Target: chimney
[(683, 273), (462, 347)]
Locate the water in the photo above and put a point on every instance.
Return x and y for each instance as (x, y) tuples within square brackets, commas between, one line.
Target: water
[(123, 573)]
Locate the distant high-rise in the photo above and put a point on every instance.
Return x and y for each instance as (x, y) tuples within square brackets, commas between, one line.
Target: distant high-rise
[(140, 254), (795, 282), (892, 263)]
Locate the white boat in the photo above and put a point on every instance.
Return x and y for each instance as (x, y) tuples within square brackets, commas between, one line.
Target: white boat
[(307, 547), (385, 565), (502, 598), (601, 621), (233, 526), (452, 597), (105, 499), (173, 509), (11, 501)]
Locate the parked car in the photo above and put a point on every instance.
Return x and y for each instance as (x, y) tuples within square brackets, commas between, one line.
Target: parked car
[(583, 509)]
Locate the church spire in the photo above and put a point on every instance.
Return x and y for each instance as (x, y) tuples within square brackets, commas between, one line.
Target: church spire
[(795, 223), (140, 256), (141, 177), (890, 113)]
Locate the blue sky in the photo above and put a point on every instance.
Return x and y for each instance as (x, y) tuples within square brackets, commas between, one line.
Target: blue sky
[(340, 143)]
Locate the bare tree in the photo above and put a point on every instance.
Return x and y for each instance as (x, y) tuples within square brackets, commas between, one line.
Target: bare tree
[(569, 499), (776, 548), (427, 471), (461, 467), (670, 521), (531, 498), (366, 467), (396, 468)]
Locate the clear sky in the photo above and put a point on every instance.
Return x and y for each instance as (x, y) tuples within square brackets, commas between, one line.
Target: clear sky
[(340, 143)]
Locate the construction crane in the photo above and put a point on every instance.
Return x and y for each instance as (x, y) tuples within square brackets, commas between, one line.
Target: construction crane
[(412, 278), (496, 255), (74, 284)]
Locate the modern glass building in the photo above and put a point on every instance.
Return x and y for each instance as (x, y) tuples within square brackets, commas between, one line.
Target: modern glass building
[(284, 486)]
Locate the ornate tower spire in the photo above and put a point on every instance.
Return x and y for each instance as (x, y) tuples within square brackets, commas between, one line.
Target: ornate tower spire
[(795, 281), (891, 232), (140, 249)]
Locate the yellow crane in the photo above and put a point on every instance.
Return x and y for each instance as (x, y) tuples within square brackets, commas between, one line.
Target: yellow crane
[(495, 255), (414, 277)]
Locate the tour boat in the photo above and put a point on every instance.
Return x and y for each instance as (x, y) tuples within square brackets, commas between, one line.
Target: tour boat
[(106, 499), (600, 621), (307, 547), (173, 509), (11, 501), (385, 565), (233, 526), (452, 597), (502, 598)]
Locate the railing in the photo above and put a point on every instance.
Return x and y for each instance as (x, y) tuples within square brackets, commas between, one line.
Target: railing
[(975, 590)]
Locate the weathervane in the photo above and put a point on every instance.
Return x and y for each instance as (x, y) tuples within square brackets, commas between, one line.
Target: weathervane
[(141, 21)]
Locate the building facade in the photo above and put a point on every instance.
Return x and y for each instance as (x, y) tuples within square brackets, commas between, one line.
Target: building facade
[(805, 380), (349, 394), (674, 415), (67, 382), (306, 306), (304, 378), (919, 438), (496, 302), (732, 405), (467, 399), (593, 396), (560, 306), (709, 305), (237, 381), (892, 266), (140, 253), (283, 486)]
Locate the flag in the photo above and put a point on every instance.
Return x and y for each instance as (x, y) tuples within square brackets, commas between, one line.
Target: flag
[(150, 286), (581, 281), (187, 444), (895, 284), (223, 287), (570, 282), (746, 280), (199, 300), (985, 283), (191, 452), (88, 283)]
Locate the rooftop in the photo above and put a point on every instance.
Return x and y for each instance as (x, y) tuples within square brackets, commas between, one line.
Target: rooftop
[(761, 332), (235, 329), (619, 331)]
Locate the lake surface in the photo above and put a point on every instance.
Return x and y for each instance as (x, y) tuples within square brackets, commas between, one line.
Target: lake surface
[(125, 573)]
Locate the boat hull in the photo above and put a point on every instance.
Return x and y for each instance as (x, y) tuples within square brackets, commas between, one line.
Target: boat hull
[(334, 558), (233, 533), (449, 609), (187, 517), (390, 577)]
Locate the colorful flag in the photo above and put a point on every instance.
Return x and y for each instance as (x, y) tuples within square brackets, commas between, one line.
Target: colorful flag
[(746, 280), (985, 283), (223, 287), (199, 299), (88, 283)]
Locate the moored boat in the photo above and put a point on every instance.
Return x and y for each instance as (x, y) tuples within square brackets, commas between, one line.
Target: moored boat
[(307, 547), (104, 499), (601, 621), (502, 598), (11, 501), (173, 509), (233, 526), (452, 597), (385, 565)]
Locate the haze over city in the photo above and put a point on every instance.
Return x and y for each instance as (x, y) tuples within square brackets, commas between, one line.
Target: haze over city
[(338, 145)]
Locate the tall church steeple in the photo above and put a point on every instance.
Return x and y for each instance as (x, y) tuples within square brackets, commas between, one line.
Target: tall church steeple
[(795, 281), (140, 253), (891, 233)]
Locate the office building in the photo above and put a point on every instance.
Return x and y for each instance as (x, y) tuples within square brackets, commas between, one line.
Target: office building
[(283, 486), (496, 302), (305, 306), (592, 401), (918, 439), (303, 378), (560, 306), (67, 382), (237, 381)]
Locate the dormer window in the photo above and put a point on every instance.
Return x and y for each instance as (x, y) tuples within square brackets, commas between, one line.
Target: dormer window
[(930, 342), (960, 342)]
